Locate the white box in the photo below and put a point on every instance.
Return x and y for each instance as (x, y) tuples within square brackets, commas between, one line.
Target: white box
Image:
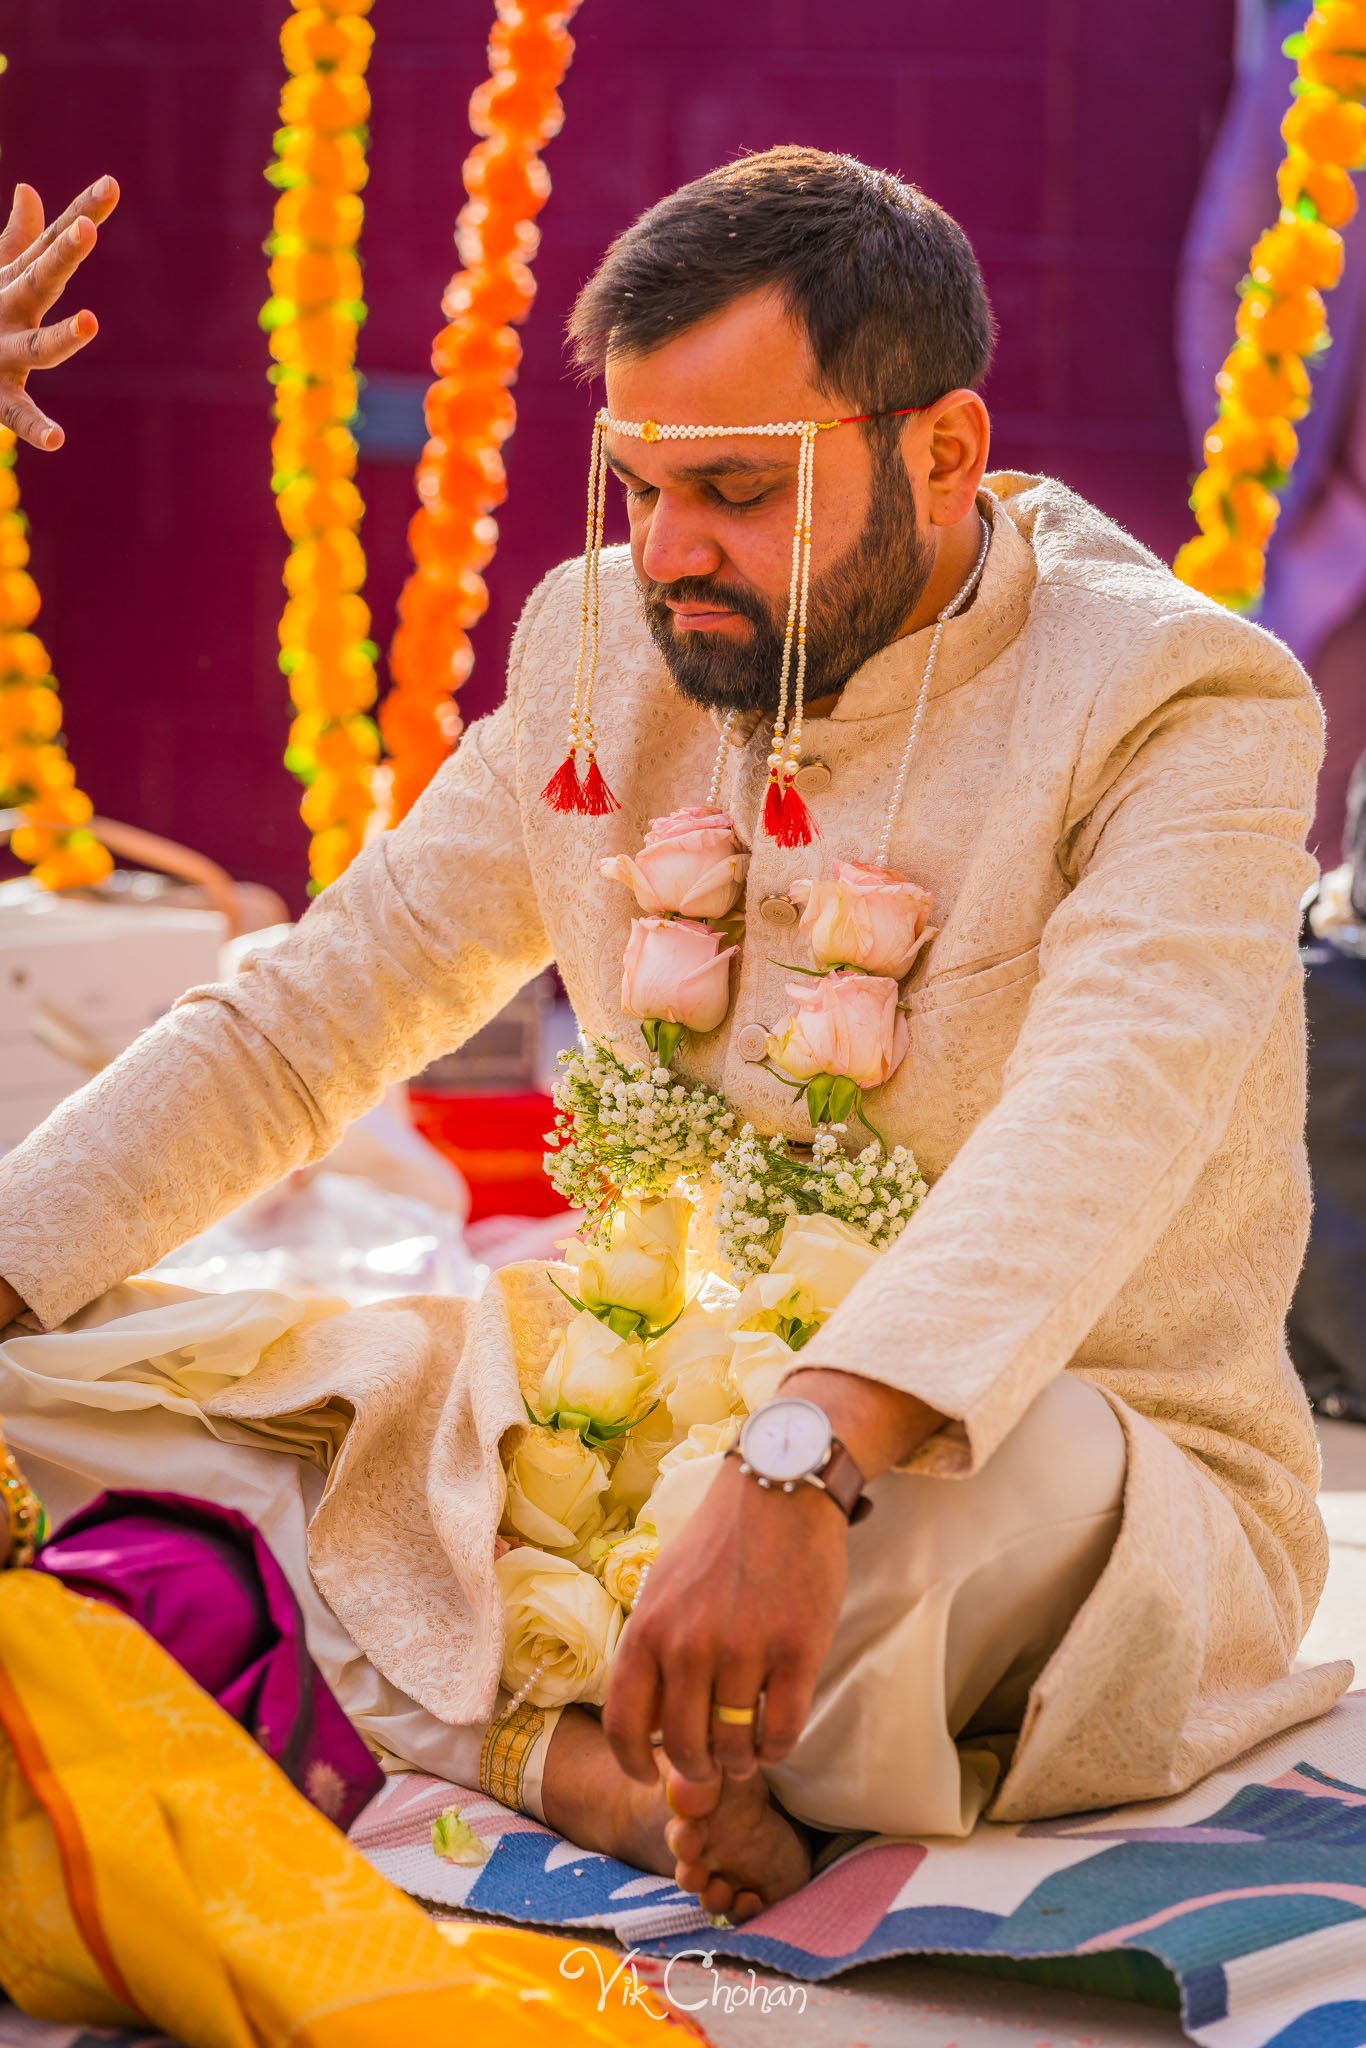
[(78, 981)]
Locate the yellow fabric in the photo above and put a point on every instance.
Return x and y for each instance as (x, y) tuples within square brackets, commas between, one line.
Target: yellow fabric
[(145, 1839)]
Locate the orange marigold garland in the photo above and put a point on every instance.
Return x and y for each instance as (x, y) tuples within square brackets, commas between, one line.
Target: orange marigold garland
[(1263, 385), (469, 409), (36, 777), (312, 318)]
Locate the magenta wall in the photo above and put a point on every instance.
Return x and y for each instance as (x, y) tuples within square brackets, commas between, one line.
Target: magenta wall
[(1066, 137)]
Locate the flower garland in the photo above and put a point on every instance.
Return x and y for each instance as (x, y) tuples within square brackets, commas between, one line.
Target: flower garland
[(625, 1132), (624, 1129), (761, 1183), (1263, 385), (36, 777), (469, 409), (687, 878), (865, 927), (312, 318)]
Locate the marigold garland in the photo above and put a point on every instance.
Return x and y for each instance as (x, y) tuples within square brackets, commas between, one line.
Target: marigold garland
[(312, 318), (1264, 385), (36, 777), (469, 409)]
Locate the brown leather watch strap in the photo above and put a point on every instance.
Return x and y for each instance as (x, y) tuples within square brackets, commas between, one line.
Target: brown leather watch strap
[(843, 1481)]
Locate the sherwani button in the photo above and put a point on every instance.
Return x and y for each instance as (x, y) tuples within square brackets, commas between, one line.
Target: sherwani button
[(752, 1042), (778, 910), (812, 778)]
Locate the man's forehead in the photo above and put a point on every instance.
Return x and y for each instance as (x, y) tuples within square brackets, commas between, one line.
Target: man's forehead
[(747, 365), (699, 461)]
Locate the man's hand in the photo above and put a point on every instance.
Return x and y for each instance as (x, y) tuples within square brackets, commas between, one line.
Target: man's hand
[(744, 1601), (36, 265)]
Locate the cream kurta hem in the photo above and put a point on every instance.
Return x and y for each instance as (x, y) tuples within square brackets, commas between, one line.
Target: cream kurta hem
[(1105, 1084)]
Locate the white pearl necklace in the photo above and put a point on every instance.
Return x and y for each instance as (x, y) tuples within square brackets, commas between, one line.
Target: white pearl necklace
[(951, 610), (523, 1692)]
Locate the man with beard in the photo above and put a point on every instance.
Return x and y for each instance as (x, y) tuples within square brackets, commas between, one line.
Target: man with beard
[(1094, 1547)]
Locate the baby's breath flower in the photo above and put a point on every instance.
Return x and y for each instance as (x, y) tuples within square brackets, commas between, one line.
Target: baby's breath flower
[(761, 1182), (624, 1130)]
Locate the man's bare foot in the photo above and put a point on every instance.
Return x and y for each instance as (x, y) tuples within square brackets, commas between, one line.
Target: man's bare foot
[(588, 1798), (723, 1839), (733, 1846)]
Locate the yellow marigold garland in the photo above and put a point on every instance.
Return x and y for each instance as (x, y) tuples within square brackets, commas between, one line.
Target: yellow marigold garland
[(35, 774), (312, 318), (1263, 385), (469, 409)]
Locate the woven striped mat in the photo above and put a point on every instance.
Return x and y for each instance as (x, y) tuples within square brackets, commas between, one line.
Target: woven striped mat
[(1244, 1900), (1247, 1895)]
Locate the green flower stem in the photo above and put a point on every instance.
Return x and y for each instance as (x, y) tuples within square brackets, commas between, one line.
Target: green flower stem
[(663, 1039), (597, 1435)]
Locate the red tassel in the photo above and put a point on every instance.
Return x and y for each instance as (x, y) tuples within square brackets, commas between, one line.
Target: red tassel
[(598, 799), (786, 817), (564, 791)]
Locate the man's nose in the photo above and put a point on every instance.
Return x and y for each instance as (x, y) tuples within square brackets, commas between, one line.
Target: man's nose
[(677, 544)]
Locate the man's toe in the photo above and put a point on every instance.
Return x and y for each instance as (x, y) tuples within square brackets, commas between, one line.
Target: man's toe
[(693, 1798), (686, 1839)]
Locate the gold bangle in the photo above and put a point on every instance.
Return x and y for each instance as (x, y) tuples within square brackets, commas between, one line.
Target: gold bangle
[(506, 1751), (23, 1523)]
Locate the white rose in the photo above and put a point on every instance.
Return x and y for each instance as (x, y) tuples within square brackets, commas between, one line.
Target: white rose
[(634, 1461), (555, 1485), (685, 1475), (759, 1362), (640, 1274), (825, 1256), (626, 1563), (595, 1379), (775, 1301), (691, 1364), (560, 1619)]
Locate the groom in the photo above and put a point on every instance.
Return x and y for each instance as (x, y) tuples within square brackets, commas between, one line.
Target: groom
[(1094, 1547)]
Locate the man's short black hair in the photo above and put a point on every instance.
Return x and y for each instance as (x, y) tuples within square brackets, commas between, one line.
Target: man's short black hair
[(884, 282)]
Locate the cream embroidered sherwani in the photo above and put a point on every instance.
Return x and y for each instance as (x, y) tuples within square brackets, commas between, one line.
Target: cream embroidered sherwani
[(1105, 1083)]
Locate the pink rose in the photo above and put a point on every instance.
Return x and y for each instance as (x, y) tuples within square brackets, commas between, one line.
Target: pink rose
[(841, 1024), (865, 917), (677, 971), (691, 865)]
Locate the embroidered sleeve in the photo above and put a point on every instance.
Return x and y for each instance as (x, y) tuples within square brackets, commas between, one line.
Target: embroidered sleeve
[(431, 930)]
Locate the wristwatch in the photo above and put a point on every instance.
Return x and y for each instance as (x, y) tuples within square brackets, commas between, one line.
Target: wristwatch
[(788, 1442)]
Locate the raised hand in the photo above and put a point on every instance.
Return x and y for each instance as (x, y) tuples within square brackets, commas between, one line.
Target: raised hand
[(36, 265)]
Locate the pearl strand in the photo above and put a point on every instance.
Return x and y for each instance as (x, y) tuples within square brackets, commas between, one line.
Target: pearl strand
[(806, 479), (951, 610), (597, 512), (651, 430), (595, 467), (775, 759), (718, 771), (519, 1698)]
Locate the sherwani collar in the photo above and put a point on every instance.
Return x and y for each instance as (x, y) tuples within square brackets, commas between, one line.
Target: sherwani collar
[(889, 680)]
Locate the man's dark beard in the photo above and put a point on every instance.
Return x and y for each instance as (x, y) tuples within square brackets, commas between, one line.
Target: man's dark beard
[(856, 608)]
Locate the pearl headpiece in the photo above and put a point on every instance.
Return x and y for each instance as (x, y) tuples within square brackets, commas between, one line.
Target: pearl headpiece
[(584, 789)]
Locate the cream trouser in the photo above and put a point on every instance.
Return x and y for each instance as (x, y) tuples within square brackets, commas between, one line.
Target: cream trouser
[(959, 1589)]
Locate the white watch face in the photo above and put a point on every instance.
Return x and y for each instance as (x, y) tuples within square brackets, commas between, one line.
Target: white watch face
[(786, 1438)]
